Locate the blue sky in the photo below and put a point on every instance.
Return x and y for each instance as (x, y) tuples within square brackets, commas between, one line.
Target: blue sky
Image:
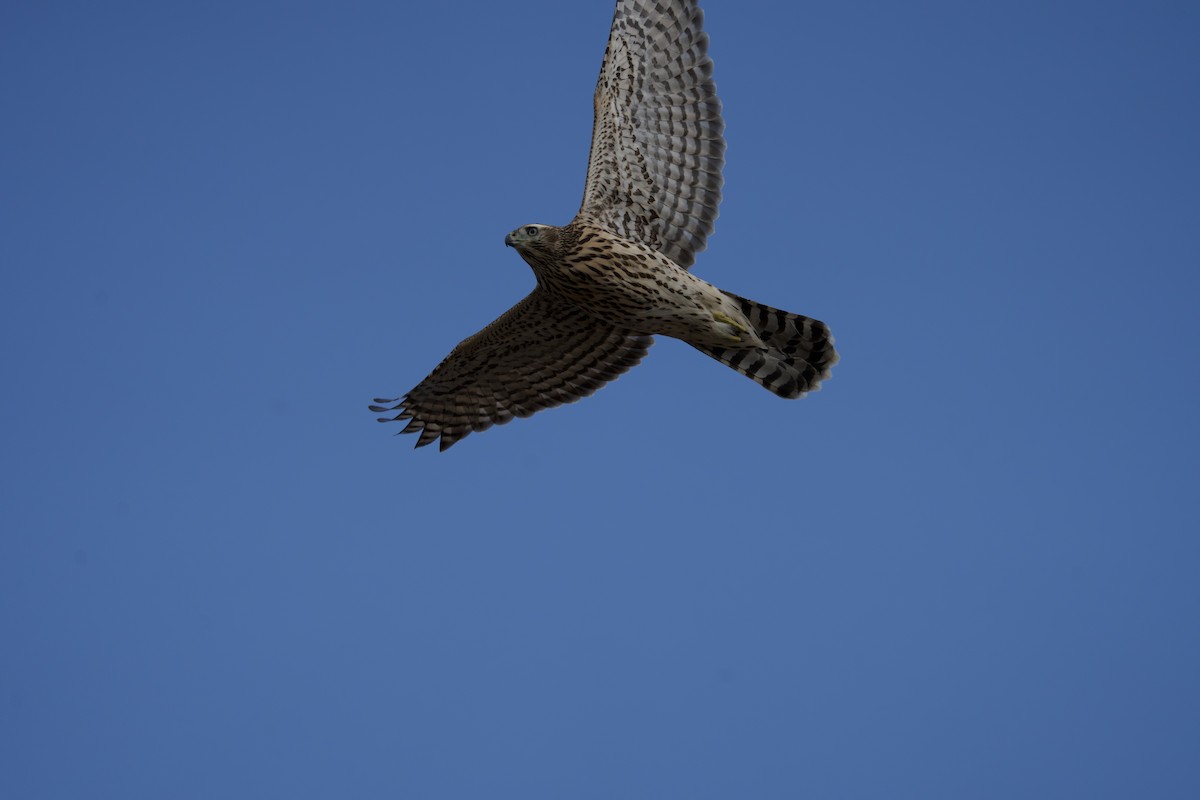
[(966, 568)]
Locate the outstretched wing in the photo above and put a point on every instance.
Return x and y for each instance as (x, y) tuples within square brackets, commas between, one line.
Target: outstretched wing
[(654, 175), (541, 353)]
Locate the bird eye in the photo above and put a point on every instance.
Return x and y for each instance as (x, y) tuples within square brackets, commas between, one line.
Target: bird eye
[(531, 231)]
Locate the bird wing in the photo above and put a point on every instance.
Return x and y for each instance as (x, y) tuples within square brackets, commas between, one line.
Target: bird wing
[(658, 146), (541, 353)]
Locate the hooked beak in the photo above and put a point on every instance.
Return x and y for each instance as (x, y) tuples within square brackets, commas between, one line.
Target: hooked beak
[(508, 240)]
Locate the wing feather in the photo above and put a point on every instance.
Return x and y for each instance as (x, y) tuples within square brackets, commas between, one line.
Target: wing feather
[(658, 146), (541, 353)]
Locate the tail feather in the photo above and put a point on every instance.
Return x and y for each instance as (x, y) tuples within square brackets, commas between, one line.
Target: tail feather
[(798, 356)]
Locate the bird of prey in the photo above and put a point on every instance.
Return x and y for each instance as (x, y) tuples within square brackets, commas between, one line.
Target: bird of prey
[(618, 273)]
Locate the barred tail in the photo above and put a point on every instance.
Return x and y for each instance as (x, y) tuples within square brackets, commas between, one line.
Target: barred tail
[(798, 356)]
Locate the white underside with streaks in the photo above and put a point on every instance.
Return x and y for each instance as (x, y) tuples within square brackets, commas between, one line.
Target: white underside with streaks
[(632, 286)]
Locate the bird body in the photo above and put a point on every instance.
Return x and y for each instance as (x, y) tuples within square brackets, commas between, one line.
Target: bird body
[(630, 285), (617, 275)]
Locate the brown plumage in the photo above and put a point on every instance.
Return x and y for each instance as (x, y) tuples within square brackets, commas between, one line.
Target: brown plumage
[(617, 274)]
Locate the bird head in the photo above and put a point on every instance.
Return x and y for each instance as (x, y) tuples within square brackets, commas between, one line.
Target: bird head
[(531, 237)]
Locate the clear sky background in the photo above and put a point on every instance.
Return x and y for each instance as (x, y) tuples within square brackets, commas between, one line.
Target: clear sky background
[(967, 568)]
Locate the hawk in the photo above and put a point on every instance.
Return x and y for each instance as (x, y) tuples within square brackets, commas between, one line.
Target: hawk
[(618, 273)]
